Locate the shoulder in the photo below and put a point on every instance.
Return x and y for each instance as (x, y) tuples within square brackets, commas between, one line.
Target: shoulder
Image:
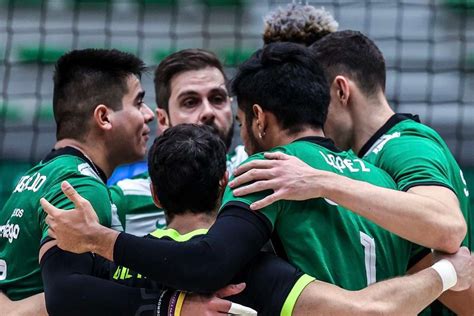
[(134, 186), (236, 157)]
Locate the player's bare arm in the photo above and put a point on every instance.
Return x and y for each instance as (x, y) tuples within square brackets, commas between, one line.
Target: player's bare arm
[(408, 214), (401, 296), (460, 302), (407, 295)]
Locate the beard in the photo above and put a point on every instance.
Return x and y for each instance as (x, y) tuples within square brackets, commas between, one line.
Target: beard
[(226, 137)]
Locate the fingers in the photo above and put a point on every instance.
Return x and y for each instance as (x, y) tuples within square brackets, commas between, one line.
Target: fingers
[(52, 234), (250, 176), (229, 290), (464, 250), (49, 208), (259, 164), (237, 309), (72, 194), (221, 306), (256, 187), (268, 200)]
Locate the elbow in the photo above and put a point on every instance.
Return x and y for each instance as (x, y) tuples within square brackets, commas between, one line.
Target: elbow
[(56, 299), (453, 237)]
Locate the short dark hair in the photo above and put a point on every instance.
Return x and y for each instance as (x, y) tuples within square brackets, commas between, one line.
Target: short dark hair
[(285, 79), (355, 55), (86, 78), (297, 23), (176, 63), (185, 164)]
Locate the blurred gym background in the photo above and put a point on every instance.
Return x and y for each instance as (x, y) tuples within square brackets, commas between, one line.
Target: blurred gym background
[(428, 46)]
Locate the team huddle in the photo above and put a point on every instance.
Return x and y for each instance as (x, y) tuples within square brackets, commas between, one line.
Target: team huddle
[(333, 205)]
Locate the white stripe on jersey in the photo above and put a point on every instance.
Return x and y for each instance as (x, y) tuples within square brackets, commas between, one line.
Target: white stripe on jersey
[(135, 186)]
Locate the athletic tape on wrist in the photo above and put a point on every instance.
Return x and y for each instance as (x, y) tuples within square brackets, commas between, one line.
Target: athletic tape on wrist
[(447, 273), (237, 309)]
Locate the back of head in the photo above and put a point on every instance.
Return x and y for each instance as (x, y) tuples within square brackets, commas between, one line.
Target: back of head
[(302, 24), (352, 54), (176, 63), (186, 163), (286, 80), (86, 78)]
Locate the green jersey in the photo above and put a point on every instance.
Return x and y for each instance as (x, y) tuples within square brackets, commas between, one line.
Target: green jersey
[(414, 154), (22, 220), (324, 239), (137, 211)]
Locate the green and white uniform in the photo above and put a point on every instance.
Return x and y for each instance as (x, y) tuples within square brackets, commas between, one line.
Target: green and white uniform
[(137, 211), (414, 154), (324, 239), (22, 220)]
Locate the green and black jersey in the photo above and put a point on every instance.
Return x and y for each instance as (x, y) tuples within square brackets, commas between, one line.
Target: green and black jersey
[(22, 220), (272, 286), (137, 211), (414, 154), (322, 238)]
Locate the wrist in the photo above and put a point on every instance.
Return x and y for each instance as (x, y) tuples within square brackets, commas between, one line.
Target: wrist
[(446, 272), (102, 241), (327, 183)]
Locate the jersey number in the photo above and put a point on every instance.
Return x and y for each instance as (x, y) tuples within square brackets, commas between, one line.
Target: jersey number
[(369, 254)]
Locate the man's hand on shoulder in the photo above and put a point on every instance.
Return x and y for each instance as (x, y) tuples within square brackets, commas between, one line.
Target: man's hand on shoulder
[(73, 229), (288, 177)]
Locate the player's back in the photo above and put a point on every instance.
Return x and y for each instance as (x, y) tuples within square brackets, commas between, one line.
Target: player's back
[(22, 220), (415, 154), (325, 240)]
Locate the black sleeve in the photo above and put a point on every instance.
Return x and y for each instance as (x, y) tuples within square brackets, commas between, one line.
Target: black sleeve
[(203, 265), (70, 289), (269, 281)]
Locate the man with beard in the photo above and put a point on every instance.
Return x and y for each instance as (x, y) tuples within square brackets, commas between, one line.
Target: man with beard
[(190, 87), (283, 99)]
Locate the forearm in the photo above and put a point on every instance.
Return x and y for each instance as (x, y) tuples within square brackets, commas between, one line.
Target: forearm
[(200, 265), (420, 219), (71, 290), (401, 296)]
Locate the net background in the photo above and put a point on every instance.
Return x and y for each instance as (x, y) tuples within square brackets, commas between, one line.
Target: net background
[(428, 46)]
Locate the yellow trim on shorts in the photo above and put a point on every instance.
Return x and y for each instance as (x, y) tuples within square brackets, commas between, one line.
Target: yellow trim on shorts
[(176, 236), (290, 302)]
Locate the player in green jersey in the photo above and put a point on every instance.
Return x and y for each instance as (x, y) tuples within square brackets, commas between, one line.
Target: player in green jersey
[(190, 87), (101, 123), (431, 210), (283, 99)]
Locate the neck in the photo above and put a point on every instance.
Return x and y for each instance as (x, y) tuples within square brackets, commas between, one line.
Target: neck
[(369, 116), (188, 222), (92, 150), (282, 137)]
